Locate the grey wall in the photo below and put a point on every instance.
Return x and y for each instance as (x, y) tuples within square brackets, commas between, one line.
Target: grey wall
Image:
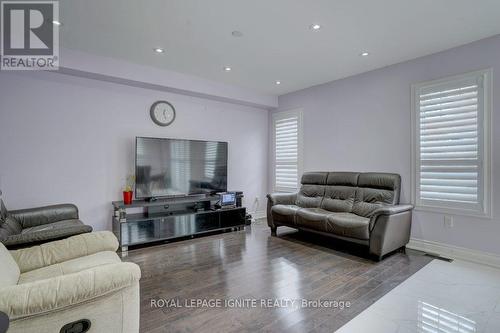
[(363, 123), (71, 139)]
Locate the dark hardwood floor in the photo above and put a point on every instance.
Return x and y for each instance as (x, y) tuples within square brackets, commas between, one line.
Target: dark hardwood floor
[(251, 264)]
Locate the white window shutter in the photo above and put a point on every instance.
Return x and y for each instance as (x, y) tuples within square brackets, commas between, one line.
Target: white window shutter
[(286, 150), (450, 145)]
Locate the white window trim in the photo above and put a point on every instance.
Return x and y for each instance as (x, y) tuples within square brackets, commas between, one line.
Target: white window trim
[(300, 141), (486, 212)]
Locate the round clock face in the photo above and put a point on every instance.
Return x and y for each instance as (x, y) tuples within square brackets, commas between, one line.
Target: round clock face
[(162, 113)]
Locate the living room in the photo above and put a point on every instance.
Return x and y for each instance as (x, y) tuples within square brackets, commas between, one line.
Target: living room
[(179, 166)]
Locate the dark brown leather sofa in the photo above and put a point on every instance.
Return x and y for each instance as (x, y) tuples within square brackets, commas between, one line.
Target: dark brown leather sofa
[(359, 207)]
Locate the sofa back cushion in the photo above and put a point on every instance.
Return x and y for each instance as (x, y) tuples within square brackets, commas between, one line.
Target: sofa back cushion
[(9, 270), (312, 190), (340, 191), (353, 192), (388, 183), (339, 198), (374, 191), (310, 196), (314, 178)]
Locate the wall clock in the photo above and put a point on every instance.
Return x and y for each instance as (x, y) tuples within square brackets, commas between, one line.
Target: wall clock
[(162, 113)]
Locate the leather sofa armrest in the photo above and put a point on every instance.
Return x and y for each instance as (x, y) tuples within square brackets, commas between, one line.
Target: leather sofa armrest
[(33, 217), (388, 210), (44, 296), (282, 198), (63, 250), (390, 229), (278, 199)]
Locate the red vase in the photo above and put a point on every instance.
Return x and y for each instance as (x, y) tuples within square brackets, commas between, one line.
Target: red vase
[(127, 197)]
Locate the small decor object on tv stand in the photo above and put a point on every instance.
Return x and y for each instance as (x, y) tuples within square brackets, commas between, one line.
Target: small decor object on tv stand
[(128, 192)]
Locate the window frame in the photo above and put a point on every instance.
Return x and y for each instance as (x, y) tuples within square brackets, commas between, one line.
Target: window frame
[(484, 187), (281, 115)]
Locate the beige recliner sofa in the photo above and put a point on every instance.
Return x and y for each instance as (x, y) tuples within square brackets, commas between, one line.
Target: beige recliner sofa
[(76, 283)]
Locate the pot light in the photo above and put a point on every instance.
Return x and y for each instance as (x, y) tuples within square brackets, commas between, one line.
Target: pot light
[(158, 50), (315, 26), (227, 68), (278, 82), (365, 54), (56, 23)]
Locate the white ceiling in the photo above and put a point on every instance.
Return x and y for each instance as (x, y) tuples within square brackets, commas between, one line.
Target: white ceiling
[(277, 43)]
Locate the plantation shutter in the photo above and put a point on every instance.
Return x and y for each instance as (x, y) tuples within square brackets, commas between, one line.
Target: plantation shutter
[(286, 151), (450, 144)]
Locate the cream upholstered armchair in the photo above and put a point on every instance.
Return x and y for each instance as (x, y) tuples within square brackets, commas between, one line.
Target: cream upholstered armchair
[(74, 285)]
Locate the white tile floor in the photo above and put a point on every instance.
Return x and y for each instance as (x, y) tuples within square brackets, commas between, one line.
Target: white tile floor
[(442, 297)]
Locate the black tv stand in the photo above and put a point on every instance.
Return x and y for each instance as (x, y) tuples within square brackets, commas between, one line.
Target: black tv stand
[(172, 218)]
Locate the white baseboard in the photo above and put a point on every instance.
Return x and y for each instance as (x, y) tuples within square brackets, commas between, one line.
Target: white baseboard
[(455, 252)]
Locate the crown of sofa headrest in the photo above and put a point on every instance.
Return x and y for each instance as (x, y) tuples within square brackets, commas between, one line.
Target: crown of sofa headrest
[(314, 178), (380, 180), (343, 178), (386, 181)]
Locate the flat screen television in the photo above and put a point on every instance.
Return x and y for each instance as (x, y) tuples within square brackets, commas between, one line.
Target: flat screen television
[(176, 167)]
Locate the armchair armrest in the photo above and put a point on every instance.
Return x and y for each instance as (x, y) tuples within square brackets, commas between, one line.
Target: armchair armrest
[(63, 250), (282, 198), (32, 238), (65, 291), (33, 217)]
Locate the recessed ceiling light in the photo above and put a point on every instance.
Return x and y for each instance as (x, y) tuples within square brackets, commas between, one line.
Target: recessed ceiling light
[(365, 54), (278, 82), (237, 33), (158, 50), (56, 23), (315, 26), (227, 68)]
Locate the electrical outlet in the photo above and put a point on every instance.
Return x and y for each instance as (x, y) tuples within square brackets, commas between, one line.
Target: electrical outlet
[(448, 222)]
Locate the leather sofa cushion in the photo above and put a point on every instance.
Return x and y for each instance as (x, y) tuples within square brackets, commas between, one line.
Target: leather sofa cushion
[(369, 199), (284, 213), (71, 266), (338, 198), (310, 196), (314, 178), (53, 226), (348, 225), (312, 218), (343, 178), (44, 233), (389, 182)]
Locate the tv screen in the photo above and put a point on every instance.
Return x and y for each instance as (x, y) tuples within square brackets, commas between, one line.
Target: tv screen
[(173, 167)]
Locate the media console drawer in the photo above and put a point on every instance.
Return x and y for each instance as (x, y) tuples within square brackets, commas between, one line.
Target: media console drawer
[(232, 217), (185, 225)]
